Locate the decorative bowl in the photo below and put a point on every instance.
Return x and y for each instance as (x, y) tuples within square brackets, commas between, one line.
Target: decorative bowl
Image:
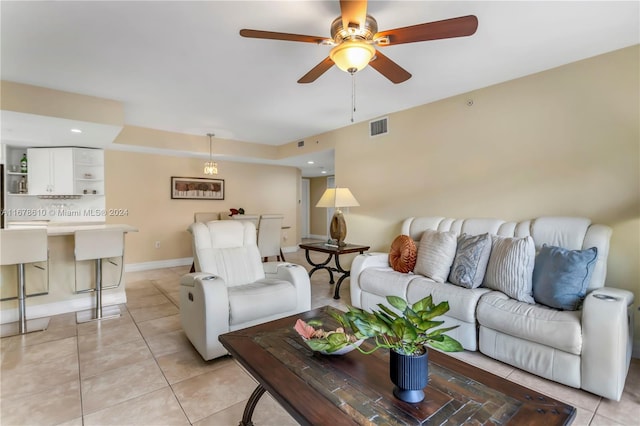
[(348, 347)]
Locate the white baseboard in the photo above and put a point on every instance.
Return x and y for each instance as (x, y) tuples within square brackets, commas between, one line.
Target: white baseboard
[(158, 264), (63, 307)]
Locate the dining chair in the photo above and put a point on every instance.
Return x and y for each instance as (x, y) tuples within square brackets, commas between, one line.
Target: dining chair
[(205, 217), (253, 218), (269, 235)]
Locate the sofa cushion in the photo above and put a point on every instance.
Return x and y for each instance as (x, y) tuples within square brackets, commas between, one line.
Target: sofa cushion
[(561, 276), (260, 299), (462, 301), (535, 323), (435, 254), (470, 262), (402, 255), (385, 282), (510, 268)]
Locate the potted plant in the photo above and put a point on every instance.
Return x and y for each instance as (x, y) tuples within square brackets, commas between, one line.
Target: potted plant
[(404, 332)]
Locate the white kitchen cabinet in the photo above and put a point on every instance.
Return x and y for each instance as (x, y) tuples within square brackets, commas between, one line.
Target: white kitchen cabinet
[(50, 171), (65, 171)]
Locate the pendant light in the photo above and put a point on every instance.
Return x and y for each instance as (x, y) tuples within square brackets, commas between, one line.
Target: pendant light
[(210, 167)]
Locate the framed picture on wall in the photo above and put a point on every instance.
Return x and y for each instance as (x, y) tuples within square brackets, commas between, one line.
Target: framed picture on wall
[(193, 188)]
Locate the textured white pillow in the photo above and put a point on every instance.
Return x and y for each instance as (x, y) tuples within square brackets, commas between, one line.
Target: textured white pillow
[(470, 263), (435, 254), (510, 268)]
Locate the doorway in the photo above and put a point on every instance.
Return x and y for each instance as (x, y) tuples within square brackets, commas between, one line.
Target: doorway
[(305, 210)]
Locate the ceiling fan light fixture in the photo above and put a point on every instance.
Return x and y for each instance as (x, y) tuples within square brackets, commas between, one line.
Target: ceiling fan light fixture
[(352, 55)]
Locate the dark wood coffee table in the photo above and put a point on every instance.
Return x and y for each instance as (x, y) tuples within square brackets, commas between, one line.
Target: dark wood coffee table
[(334, 252), (355, 388)]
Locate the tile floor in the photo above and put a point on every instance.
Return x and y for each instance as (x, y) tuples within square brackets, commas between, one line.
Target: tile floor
[(140, 369)]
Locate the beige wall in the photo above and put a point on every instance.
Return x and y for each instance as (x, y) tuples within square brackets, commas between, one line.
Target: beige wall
[(54, 103), (140, 183), (561, 142), (318, 215)]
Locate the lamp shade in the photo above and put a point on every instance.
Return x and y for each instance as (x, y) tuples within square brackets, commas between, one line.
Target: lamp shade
[(337, 197), (352, 55)]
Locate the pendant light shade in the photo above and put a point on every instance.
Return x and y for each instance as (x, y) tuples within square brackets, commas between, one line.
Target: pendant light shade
[(210, 167)]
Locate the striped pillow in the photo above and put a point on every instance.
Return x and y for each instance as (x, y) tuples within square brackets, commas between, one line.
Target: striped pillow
[(510, 268), (435, 254)]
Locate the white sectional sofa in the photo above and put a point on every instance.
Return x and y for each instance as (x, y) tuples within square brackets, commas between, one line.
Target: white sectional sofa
[(585, 346)]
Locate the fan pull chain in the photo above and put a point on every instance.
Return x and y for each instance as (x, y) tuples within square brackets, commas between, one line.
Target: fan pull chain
[(353, 94)]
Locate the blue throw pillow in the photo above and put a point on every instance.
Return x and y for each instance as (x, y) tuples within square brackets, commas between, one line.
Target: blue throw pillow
[(561, 277)]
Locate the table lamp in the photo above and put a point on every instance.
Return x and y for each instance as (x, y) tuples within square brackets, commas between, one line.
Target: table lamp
[(337, 198)]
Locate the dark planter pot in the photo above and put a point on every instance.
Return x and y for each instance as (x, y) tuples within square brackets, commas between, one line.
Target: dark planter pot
[(410, 375)]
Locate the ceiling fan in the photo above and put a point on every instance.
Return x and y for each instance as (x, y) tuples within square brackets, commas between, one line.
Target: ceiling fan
[(354, 35)]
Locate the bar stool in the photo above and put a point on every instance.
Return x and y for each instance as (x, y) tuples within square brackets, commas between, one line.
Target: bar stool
[(98, 244), (19, 247)]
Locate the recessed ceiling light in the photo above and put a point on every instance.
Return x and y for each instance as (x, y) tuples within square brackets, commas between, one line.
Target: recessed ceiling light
[(324, 172), (76, 131), (310, 162)]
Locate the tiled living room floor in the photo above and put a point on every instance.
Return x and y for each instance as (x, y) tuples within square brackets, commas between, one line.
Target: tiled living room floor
[(141, 369)]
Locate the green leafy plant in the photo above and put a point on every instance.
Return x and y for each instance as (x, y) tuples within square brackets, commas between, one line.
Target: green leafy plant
[(406, 332)]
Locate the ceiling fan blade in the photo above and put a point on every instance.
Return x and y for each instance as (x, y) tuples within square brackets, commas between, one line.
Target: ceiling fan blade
[(353, 12), (389, 69), (281, 36), (448, 28), (317, 71)]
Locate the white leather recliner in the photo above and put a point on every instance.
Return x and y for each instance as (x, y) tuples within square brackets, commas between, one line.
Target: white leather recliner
[(232, 289)]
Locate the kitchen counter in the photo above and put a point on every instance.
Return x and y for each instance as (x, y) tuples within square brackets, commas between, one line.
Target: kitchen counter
[(59, 285), (66, 228)]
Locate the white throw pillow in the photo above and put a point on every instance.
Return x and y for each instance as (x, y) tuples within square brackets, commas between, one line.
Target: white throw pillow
[(510, 268), (435, 254)]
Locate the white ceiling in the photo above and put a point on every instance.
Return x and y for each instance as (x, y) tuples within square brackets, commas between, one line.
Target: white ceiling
[(181, 66)]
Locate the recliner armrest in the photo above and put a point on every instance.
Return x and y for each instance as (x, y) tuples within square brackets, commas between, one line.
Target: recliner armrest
[(607, 338), (190, 279), (295, 274), (360, 263)]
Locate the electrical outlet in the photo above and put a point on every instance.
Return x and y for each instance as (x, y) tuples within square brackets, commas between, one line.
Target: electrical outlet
[(157, 245)]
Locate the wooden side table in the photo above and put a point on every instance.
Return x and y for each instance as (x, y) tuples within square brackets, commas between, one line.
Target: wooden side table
[(333, 252)]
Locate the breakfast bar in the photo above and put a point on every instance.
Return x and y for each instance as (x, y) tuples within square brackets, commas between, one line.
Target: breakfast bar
[(61, 284)]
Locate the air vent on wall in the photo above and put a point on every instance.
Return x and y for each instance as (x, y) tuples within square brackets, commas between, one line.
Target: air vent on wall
[(300, 144), (378, 127)]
